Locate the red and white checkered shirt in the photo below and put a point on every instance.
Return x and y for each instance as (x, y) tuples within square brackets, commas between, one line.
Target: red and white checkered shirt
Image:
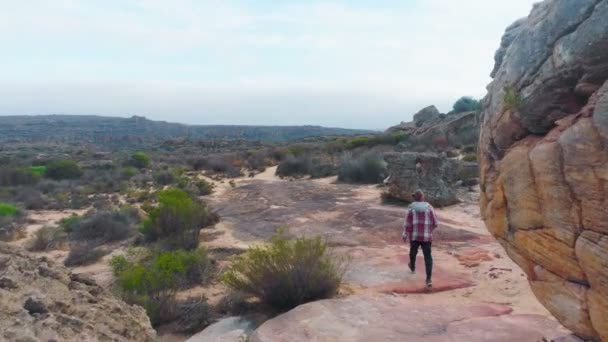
[(420, 221)]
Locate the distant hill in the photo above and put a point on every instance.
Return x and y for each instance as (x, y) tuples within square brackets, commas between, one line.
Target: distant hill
[(138, 131)]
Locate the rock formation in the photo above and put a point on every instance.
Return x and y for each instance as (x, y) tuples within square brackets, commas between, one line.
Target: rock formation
[(429, 172), (392, 318), (40, 301), (426, 114), (441, 132), (544, 158)]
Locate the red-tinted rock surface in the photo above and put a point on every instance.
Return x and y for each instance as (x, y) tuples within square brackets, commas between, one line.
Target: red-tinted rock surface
[(544, 158), (389, 318)]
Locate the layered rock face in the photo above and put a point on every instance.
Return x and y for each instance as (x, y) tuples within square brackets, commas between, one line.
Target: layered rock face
[(40, 301), (544, 158), (431, 131)]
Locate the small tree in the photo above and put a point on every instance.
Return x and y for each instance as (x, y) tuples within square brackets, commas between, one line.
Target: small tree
[(466, 104), (177, 220), (63, 169), (140, 160)]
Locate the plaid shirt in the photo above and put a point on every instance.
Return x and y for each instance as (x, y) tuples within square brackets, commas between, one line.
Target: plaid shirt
[(420, 222)]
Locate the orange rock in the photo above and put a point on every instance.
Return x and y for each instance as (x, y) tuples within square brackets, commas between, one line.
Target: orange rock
[(543, 248), (520, 192)]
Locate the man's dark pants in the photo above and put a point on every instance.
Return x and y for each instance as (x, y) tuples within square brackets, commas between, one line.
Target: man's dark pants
[(428, 259)]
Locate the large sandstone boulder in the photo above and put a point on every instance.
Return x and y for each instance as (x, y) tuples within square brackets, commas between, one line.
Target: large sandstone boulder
[(430, 172), (457, 129), (40, 301), (387, 318), (544, 158), (426, 114)]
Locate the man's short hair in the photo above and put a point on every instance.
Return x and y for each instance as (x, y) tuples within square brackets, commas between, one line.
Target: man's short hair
[(418, 195)]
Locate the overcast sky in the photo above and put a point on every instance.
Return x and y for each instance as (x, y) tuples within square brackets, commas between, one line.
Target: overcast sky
[(357, 63)]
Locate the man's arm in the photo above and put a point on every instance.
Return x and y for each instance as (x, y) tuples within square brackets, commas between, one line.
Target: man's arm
[(407, 225), (434, 221)]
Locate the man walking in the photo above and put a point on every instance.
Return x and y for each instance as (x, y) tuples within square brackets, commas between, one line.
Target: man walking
[(420, 222)]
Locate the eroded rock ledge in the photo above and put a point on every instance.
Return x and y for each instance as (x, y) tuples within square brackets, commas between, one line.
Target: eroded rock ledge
[(544, 158), (40, 301)]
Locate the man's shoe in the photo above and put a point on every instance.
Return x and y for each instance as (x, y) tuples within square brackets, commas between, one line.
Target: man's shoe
[(429, 284), (412, 268)]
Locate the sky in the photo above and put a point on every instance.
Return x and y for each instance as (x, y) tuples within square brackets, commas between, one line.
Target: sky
[(356, 64)]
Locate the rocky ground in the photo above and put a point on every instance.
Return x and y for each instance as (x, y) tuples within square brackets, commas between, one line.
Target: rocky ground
[(479, 294)]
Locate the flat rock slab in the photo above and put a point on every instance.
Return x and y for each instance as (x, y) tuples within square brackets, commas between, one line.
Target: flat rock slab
[(231, 329), (368, 318), (385, 270)]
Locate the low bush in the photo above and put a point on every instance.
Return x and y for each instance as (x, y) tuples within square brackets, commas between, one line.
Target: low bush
[(369, 167), (469, 149), (45, 238), (294, 166), (8, 210), (153, 283), (471, 157), (224, 165), (165, 178), (234, 303), (31, 198), (84, 254), (287, 273), (10, 176), (127, 173), (204, 187), (452, 154), (466, 104), (63, 169), (140, 160), (104, 226), (177, 220)]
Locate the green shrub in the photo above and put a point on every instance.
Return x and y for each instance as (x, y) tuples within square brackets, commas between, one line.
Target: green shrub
[(7, 210), (84, 254), (204, 187), (67, 224), (466, 104), (511, 99), (38, 170), (153, 283), (369, 168), (63, 169), (104, 226), (127, 173), (177, 220), (471, 157), (140, 160), (164, 178), (287, 273), (358, 142), (294, 166)]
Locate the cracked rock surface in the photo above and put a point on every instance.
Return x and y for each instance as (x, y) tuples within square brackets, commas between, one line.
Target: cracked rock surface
[(41, 301), (544, 158)]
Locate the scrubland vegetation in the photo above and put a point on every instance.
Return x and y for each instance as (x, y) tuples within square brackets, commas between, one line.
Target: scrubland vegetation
[(150, 206)]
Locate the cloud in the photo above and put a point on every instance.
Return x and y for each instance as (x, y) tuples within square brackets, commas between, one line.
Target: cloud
[(342, 63)]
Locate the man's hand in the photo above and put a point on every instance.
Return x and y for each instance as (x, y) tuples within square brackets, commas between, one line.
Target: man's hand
[(404, 237)]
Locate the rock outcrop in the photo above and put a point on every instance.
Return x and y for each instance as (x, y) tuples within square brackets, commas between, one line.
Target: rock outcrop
[(391, 318), (440, 132), (544, 158), (40, 301), (430, 172), (426, 114)]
